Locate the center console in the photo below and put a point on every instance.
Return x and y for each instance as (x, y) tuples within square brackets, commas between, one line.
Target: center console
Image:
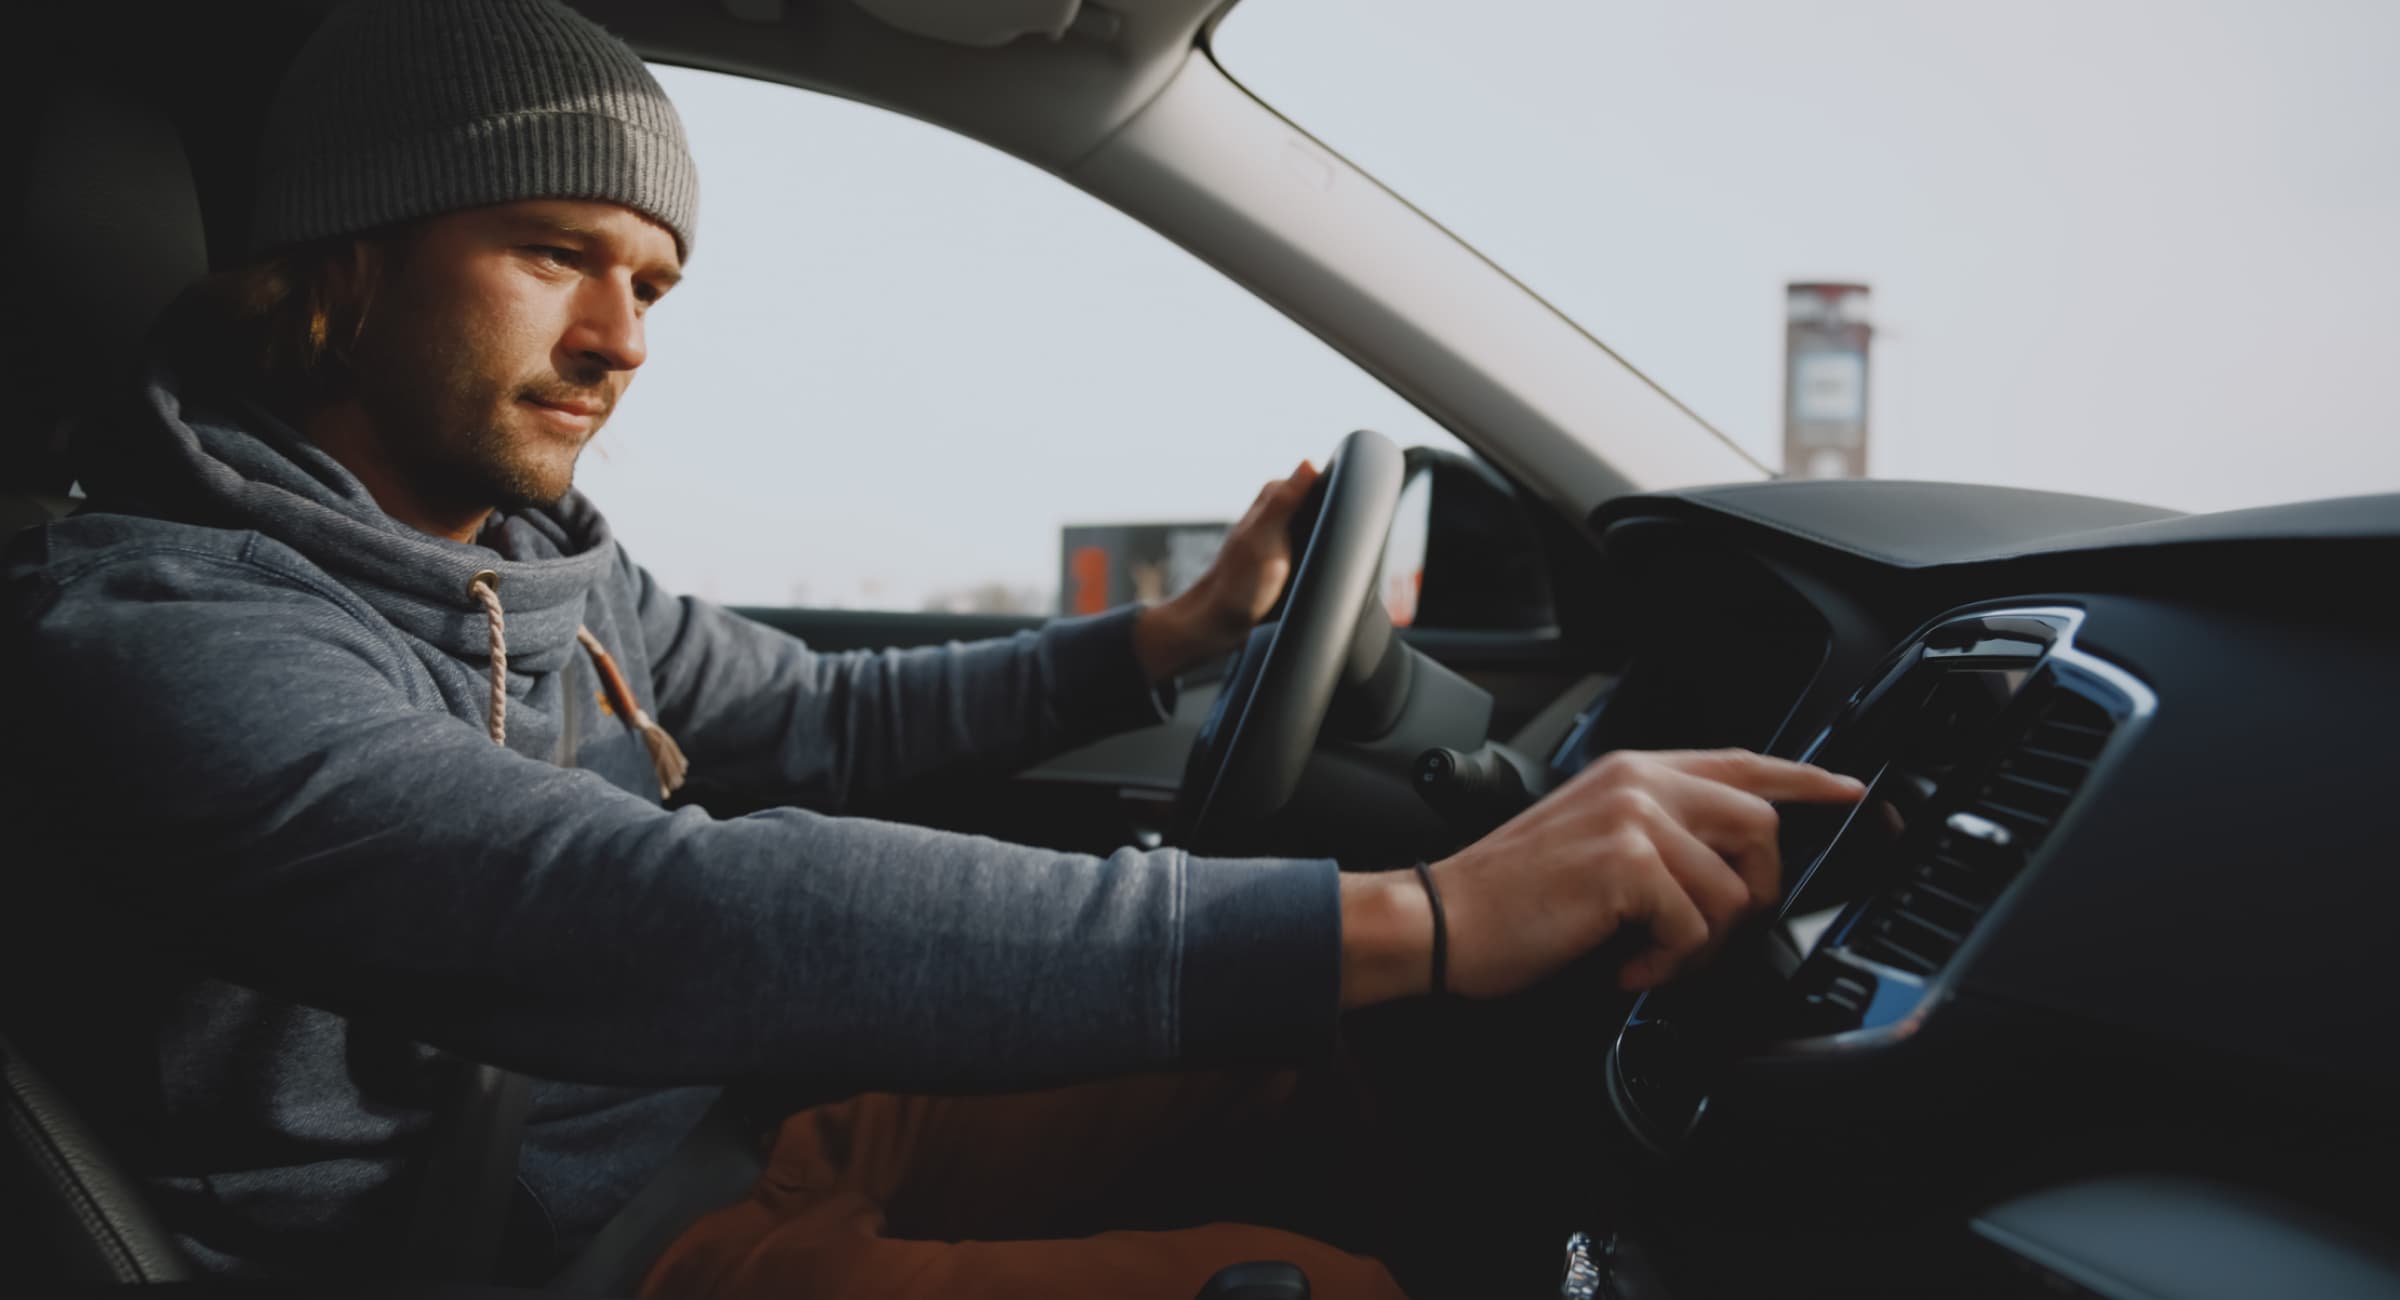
[(1974, 740)]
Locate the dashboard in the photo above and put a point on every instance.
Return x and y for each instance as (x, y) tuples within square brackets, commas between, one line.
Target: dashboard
[(2110, 932)]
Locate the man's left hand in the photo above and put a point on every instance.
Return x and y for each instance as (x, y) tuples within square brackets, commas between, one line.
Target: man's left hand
[(1213, 616)]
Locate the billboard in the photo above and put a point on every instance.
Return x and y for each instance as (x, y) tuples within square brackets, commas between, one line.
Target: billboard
[(1103, 566)]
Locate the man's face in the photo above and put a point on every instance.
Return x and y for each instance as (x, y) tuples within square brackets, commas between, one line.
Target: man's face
[(499, 341)]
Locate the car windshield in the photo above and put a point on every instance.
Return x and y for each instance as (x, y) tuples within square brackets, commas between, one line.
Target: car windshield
[(2133, 249)]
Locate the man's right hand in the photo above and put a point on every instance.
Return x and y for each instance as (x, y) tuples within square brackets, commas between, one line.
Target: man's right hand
[(1681, 842)]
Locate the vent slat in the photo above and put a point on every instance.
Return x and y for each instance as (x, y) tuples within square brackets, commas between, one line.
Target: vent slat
[(1943, 935), (2079, 737), (2021, 781), (1960, 878), (2013, 813), (1897, 956), (2080, 761), (2063, 773), (1967, 904)]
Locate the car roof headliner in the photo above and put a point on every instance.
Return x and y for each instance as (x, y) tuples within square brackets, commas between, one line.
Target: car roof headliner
[(212, 68), (1048, 101)]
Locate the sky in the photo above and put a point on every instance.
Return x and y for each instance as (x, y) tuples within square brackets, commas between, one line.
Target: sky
[(2135, 249)]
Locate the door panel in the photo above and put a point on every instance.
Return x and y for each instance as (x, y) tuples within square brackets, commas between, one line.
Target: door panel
[(876, 629)]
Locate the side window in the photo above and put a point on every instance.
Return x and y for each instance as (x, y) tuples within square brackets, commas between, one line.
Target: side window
[(905, 371)]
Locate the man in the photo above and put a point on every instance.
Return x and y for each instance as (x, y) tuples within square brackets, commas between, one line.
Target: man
[(356, 727)]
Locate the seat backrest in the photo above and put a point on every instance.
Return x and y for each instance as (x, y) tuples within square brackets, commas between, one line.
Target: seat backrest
[(99, 201), (104, 222)]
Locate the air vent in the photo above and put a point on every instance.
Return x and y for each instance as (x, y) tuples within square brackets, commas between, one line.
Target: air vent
[(2029, 790), (1923, 917)]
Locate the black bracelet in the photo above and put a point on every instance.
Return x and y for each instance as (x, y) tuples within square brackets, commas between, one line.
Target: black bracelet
[(1441, 933)]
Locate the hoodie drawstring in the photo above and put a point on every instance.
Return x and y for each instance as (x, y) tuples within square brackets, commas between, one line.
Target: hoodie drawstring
[(666, 757), (485, 586)]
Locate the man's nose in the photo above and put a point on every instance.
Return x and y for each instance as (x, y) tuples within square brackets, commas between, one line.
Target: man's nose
[(608, 325)]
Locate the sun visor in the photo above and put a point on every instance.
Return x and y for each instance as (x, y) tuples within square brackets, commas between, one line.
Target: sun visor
[(976, 22)]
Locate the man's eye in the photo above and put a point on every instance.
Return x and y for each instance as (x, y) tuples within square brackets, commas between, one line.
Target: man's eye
[(552, 254)]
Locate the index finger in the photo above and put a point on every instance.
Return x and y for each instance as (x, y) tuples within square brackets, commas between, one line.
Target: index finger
[(1778, 779)]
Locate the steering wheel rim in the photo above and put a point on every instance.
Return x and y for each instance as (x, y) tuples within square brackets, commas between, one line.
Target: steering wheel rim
[(1247, 758)]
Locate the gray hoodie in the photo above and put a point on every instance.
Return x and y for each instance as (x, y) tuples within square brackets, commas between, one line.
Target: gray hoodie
[(277, 879)]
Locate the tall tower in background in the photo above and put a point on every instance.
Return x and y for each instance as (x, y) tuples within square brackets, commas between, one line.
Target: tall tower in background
[(1825, 337)]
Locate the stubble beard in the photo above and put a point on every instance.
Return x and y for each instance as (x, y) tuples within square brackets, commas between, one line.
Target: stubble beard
[(500, 472), (444, 422)]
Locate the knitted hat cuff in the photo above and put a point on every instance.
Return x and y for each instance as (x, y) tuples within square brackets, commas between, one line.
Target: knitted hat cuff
[(536, 155)]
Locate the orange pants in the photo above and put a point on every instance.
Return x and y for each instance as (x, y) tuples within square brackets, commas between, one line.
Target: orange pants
[(1005, 1197)]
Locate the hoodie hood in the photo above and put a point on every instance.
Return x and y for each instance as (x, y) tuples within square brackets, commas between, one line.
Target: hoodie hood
[(185, 451)]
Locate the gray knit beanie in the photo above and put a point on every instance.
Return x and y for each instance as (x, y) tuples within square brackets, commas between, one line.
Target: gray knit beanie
[(397, 109)]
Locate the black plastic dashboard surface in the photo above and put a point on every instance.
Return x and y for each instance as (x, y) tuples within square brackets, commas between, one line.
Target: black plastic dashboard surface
[(1924, 525), (2234, 883)]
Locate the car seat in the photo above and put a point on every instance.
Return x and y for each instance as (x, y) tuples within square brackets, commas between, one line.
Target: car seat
[(108, 228)]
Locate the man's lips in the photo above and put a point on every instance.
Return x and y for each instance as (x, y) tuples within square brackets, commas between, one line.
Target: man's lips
[(570, 406)]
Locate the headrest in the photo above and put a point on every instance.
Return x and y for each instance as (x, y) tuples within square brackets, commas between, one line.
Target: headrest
[(110, 232)]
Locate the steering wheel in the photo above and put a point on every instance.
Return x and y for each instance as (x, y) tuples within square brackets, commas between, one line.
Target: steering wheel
[(1329, 628)]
